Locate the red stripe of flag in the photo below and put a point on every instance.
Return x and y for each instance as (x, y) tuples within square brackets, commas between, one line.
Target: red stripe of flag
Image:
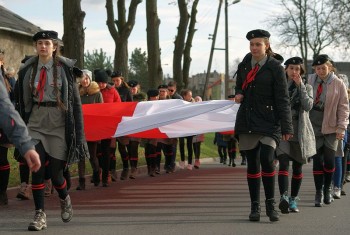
[(101, 120), (152, 134)]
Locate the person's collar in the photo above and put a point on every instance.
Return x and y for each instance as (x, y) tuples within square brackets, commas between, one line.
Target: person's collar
[(48, 65), (260, 63)]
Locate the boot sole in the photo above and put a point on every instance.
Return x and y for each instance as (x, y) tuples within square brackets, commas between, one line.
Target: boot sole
[(254, 219), (33, 228), (22, 197)]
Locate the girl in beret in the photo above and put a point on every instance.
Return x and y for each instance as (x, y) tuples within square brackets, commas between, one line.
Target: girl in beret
[(125, 94), (49, 103), (302, 145), (329, 117), (89, 94), (106, 146), (263, 118)]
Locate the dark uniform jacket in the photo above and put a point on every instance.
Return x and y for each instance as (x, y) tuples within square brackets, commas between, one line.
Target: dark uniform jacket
[(265, 108), (75, 136), (124, 93), (11, 123)]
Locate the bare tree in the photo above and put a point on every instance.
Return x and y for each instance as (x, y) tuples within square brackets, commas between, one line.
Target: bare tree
[(306, 25), (342, 26), (180, 43), (74, 35), (183, 45), (188, 46), (120, 31), (155, 70)]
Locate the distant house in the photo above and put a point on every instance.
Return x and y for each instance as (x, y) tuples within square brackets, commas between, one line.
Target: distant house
[(15, 37)]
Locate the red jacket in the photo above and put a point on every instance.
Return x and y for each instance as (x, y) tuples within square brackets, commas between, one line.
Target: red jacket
[(110, 95)]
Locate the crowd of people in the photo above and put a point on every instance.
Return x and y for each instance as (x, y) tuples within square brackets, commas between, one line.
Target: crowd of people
[(284, 116), (291, 116)]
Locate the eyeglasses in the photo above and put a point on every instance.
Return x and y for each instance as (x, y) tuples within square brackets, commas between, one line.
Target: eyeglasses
[(162, 90), (171, 90)]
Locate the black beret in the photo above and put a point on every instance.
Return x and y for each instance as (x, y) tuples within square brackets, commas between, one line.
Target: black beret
[(132, 83), (101, 75), (77, 72), (321, 59), (294, 60), (116, 74), (46, 34), (278, 57), (231, 96), (257, 33), (163, 86), (152, 92)]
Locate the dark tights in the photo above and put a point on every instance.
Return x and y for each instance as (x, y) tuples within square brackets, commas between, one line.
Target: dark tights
[(56, 167), (323, 167), (4, 169), (284, 172), (261, 155)]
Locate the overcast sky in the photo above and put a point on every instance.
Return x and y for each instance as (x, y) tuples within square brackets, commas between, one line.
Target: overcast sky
[(243, 17)]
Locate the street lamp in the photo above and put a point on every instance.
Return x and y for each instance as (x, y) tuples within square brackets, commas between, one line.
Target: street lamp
[(226, 47)]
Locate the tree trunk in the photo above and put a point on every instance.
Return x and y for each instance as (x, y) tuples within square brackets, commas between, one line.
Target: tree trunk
[(155, 71), (74, 35), (120, 31), (179, 44), (188, 46)]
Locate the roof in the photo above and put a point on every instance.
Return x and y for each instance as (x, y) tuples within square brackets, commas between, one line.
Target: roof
[(10, 21)]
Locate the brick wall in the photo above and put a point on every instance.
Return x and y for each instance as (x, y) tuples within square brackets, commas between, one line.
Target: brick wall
[(16, 46)]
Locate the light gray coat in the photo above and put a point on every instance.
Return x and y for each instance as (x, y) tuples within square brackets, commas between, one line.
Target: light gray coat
[(306, 136)]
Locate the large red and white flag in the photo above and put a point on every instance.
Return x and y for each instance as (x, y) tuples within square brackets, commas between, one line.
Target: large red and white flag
[(158, 119)]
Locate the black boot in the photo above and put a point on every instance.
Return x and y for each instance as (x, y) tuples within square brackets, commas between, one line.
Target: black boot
[(96, 178), (81, 185), (255, 212), (233, 163), (327, 199), (270, 210), (319, 198)]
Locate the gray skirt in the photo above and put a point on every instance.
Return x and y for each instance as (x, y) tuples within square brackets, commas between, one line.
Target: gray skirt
[(329, 140), (292, 149), (250, 141), (47, 125)]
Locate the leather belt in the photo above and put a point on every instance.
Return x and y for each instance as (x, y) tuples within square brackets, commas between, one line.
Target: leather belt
[(46, 104)]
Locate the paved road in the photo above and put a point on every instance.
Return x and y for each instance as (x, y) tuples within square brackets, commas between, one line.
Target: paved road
[(211, 200)]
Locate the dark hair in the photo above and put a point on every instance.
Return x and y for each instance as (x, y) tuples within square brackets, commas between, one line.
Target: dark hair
[(302, 68), (172, 83)]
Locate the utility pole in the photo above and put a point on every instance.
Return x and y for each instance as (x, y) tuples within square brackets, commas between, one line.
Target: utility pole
[(226, 52), (227, 78), (205, 91)]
